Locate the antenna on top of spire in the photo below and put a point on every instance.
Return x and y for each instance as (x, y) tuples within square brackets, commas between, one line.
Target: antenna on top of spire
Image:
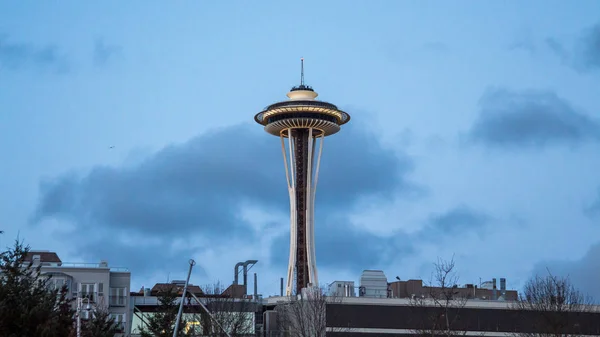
[(302, 71), (302, 86)]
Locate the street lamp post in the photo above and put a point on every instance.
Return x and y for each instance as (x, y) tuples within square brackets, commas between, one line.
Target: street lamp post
[(79, 305)]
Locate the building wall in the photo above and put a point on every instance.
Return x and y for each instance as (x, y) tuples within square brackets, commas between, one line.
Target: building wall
[(406, 289), (341, 288), (118, 295), (227, 310), (95, 283), (400, 319)]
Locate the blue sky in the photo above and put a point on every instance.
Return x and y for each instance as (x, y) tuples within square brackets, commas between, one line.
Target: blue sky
[(475, 132)]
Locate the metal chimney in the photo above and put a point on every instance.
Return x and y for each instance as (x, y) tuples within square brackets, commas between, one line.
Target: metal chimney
[(236, 272), (246, 264), (281, 288), (255, 287), (494, 290)]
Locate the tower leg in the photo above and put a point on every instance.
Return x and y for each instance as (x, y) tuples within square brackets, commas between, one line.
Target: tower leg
[(302, 177), (289, 174), (314, 276)]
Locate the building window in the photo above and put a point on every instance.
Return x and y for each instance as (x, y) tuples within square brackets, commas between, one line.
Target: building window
[(55, 283), (88, 290), (119, 321), (118, 297)]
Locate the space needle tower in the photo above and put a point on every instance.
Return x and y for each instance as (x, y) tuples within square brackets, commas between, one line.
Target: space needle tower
[(302, 123)]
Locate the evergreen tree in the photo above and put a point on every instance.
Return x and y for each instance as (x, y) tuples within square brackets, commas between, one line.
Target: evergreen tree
[(99, 325), (27, 306), (162, 322)]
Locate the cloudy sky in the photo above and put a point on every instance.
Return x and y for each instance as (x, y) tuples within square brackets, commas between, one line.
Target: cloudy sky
[(475, 132)]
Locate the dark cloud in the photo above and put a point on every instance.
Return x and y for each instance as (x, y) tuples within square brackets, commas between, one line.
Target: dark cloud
[(14, 55), (104, 52), (522, 44), (590, 48), (457, 221), (530, 119), (584, 56), (593, 209), (583, 273), (340, 245), (198, 188), (557, 48)]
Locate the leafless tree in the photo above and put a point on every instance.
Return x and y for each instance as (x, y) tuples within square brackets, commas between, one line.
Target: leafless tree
[(306, 315), (437, 311), (554, 305), (234, 315)]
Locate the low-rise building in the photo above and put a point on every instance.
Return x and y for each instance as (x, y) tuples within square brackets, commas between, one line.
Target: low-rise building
[(95, 284), (231, 308), (402, 317)]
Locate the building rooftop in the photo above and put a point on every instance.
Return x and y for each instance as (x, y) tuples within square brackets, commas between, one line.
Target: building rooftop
[(51, 259), (45, 256)]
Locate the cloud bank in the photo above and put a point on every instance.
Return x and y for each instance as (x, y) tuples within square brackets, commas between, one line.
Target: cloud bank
[(194, 192), (530, 119), (18, 55), (583, 273)]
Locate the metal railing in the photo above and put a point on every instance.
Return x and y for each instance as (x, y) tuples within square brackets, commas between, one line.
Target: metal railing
[(92, 265), (117, 301)]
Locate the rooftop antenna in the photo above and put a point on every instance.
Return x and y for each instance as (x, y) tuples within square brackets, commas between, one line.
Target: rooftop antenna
[(302, 71)]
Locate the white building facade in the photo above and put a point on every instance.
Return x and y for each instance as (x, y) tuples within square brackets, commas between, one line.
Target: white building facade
[(96, 285)]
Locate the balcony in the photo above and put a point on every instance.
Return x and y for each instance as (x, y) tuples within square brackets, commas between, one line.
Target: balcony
[(117, 301), (93, 265), (120, 326)]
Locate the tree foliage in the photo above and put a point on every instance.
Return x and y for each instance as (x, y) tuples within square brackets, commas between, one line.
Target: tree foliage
[(162, 322), (100, 324), (27, 306)]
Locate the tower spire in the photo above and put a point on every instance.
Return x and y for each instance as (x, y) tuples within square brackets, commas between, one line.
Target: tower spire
[(302, 86), (302, 71)]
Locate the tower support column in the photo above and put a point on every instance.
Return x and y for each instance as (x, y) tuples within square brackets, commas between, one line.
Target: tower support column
[(302, 177)]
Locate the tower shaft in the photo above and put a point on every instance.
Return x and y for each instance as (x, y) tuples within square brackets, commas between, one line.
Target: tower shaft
[(302, 176), (300, 141)]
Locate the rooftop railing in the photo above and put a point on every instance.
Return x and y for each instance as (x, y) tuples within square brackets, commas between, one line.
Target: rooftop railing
[(91, 265)]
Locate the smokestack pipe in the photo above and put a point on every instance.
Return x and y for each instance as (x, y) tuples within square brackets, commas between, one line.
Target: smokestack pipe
[(281, 287), (494, 291), (255, 287), (245, 264), (236, 272)]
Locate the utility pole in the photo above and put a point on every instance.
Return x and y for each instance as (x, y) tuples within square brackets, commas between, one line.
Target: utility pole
[(78, 314), (192, 263)]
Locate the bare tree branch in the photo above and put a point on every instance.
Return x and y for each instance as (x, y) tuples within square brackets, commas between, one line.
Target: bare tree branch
[(553, 300), (235, 315), (438, 312), (306, 315)]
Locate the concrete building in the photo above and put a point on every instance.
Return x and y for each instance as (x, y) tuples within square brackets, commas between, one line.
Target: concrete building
[(373, 283), (397, 317), (232, 308), (488, 290), (96, 284), (341, 289)]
